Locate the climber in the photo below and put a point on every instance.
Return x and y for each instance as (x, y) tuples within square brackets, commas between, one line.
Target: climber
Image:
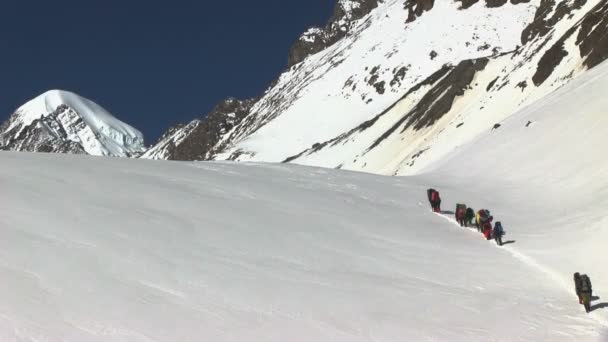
[(577, 286), (460, 214), (481, 218), (434, 199), (487, 228), (498, 232), (469, 216), (586, 292)]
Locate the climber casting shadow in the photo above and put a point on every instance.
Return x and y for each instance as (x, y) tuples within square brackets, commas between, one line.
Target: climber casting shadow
[(508, 242)]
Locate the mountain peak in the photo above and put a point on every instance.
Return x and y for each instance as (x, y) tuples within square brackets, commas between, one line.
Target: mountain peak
[(59, 118)]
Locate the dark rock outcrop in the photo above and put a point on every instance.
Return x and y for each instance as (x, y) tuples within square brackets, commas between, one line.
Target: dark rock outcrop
[(550, 60), (593, 38), (448, 83), (417, 7), (46, 134), (464, 4), (196, 140), (317, 39), (547, 16)]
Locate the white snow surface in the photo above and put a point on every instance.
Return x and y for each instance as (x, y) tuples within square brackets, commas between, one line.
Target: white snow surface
[(138, 250), (110, 136)]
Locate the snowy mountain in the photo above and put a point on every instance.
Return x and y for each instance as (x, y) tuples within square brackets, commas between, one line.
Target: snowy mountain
[(217, 251), (63, 122), (504, 110), (387, 82), (202, 139)]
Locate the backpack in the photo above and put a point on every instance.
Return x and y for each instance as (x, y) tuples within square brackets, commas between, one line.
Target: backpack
[(434, 196), (498, 229), (460, 209), (577, 283), (585, 284), (484, 215)]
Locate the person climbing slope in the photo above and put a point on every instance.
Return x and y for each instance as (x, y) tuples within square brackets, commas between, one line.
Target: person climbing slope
[(469, 217), (429, 195), (486, 228), (481, 218), (577, 286), (460, 214), (498, 232), (434, 199), (584, 291)]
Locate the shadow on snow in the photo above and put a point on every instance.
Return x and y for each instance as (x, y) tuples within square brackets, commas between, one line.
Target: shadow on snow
[(598, 306)]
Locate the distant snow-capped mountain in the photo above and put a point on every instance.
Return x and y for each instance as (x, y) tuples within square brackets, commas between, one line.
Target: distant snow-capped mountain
[(63, 122)]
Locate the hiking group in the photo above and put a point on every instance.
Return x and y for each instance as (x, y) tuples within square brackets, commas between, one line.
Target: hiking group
[(465, 216), (483, 222)]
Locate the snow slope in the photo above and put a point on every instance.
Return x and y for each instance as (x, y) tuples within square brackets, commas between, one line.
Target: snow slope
[(426, 125), (554, 147), (70, 118), (137, 250)]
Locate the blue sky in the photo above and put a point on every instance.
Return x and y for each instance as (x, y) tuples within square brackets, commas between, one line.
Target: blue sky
[(150, 63)]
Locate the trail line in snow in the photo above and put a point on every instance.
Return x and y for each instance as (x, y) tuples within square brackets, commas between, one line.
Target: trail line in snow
[(529, 261)]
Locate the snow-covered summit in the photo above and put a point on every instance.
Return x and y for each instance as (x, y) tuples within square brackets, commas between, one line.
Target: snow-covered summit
[(61, 121)]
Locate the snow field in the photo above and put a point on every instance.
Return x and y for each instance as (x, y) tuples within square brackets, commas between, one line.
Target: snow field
[(133, 250)]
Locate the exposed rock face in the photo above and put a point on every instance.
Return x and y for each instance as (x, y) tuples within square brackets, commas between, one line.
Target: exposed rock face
[(49, 134), (593, 38), (417, 7), (196, 141), (549, 13), (316, 39)]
